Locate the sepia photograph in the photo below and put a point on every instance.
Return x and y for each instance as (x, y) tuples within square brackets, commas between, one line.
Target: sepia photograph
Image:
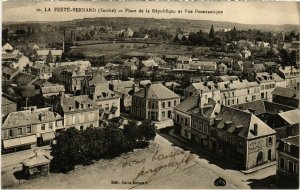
[(150, 94)]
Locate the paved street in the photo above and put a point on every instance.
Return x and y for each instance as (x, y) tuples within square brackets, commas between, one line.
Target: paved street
[(161, 165)]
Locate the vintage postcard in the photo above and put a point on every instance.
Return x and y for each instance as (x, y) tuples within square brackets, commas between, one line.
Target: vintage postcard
[(150, 95)]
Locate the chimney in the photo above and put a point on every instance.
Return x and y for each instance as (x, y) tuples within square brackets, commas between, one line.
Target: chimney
[(199, 101), (146, 89), (173, 87), (227, 124), (133, 88), (255, 129), (217, 120)]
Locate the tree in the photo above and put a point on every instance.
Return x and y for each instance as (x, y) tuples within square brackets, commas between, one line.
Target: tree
[(132, 132), (148, 130), (211, 32), (66, 150)]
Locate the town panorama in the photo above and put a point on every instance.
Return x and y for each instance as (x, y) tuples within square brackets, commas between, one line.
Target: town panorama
[(119, 103)]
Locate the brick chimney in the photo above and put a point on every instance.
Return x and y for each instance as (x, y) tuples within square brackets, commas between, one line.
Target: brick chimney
[(255, 129)]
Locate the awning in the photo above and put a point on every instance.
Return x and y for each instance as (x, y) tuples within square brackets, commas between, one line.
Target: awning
[(48, 136), (11, 143), (28, 140)]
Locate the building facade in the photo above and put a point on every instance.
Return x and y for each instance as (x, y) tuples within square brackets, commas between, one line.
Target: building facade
[(25, 129), (155, 102), (78, 111), (287, 165)]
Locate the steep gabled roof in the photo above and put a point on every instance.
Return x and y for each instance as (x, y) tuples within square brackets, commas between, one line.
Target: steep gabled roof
[(98, 79), (157, 92), (243, 123), (188, 104)]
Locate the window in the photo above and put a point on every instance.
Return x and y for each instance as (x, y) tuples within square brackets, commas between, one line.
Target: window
[(169, 103), (291, 167), (281, 164), (185, 121), (43, 127), (28, 129), (163, 105), (175, 102), (270, 140), (177, 118), (19, 131), (50, 126), (253, 98), (81, 128), (106, 106), (163, 114), (10, 133), (262, 95)]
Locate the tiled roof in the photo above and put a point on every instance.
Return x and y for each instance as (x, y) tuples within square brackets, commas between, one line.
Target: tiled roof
[(97, 79), (208, 110), (243, 123), (53, 89), (35, 161), (68, 104), (149, 63), (286, 92), (188, 104), (24, 79), (29, 117), (46, 52), (9, 70), (102, 92), (291, 117), (260, 107), (157, 92), (183, 58)]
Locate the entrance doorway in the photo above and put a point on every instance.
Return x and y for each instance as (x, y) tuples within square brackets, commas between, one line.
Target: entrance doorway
[(259, 158)]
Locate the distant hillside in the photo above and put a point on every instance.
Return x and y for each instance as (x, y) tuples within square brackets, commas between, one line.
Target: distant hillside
[(172, 24)]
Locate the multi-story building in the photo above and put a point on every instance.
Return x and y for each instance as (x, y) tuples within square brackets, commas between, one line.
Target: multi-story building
[(226, 93), (267, 85), (71, 76), (25, 129), (291, 75), (78, 111), (205, 66), (183, 62), (202, 120), (287, 172), (107, 101), (154, 102), (242, 138), (286, 96)]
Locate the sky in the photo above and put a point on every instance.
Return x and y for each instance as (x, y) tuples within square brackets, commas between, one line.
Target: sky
[(276, 13)]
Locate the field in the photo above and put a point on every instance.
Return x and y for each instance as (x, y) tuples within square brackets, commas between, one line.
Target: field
[(110, 50)]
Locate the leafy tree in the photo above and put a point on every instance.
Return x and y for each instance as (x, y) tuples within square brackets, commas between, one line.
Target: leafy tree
[(66, 151), (132, 132), (148, 130)]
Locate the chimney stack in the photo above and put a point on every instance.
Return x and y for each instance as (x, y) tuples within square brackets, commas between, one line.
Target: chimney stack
[(255, 129)]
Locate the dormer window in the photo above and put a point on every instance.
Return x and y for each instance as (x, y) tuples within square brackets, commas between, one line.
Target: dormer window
[(287, 147)]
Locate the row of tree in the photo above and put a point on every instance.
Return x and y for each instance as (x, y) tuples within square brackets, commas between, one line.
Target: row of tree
[(73, 147), (222, 37)]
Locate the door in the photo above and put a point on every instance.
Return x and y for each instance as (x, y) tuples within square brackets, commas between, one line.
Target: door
[(259, 158)]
